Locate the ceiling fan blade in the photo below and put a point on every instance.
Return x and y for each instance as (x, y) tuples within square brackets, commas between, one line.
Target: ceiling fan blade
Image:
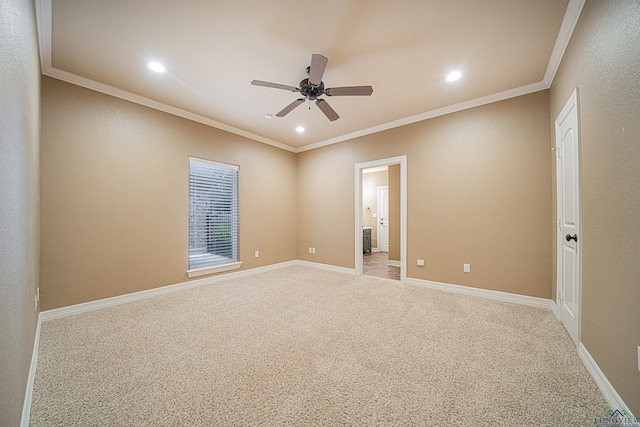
[(316, 70), (286, 110), (349, 91), (274, 85), (327, 110)]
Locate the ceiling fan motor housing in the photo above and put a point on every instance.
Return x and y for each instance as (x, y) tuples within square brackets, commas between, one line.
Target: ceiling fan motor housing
[(311, 91)]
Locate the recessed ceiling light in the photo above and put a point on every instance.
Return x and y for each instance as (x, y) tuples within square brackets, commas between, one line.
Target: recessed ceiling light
[(268, 116), (156, 66), (453, 76), (299, 129)]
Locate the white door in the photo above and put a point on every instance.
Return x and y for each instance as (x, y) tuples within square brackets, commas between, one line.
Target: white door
[(568, 199), (383, 219)]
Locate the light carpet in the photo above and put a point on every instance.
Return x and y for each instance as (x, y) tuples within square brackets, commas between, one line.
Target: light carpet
[(301, 346)]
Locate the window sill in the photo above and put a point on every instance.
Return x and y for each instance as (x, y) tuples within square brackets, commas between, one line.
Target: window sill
[(211, 270)]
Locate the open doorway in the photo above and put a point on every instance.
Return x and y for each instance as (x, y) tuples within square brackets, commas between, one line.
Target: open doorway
[(381, 232), (380, 222)]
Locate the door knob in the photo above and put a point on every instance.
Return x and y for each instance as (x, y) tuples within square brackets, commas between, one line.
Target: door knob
[(569, 237)]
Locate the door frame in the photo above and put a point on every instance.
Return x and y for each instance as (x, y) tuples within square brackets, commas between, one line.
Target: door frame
[(379, 240), (571, 103), (358, 168)]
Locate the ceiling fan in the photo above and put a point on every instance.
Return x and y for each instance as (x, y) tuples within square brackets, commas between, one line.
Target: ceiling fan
[(313, 87)]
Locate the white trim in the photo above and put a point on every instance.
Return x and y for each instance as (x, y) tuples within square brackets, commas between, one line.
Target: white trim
[(150, 293), (554, 309), (358, 168), (393, 263), (327, 267), (484, 293), (608, 392), (44, 28), (44, 22), (199, 272), (500, 96), (212, 163), (147, 102), (28, 395), (378, 169), (59, 313), (571, 16)]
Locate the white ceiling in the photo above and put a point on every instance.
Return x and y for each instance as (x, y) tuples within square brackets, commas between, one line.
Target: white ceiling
[(213, 49)]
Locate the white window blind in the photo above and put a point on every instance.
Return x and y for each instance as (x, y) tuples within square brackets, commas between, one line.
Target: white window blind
[(213, 214)]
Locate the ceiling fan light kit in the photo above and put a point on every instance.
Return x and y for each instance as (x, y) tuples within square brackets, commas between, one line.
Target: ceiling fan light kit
[(313, 87)]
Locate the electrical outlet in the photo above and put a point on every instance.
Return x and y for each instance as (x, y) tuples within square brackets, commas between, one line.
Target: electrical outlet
[(466, 268), (310, 250), (313, 250), (420, 263), (257, 254)]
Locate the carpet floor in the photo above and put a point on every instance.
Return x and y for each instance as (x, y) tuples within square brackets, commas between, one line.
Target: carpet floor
[(301, 346)]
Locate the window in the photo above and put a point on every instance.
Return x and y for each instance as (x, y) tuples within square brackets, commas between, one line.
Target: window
[(213, 217)]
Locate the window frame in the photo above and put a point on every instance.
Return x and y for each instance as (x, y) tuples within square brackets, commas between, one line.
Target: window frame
[(235, 262)]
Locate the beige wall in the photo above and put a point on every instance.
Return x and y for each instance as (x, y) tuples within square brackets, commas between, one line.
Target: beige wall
[(370, 183), (115, 195), (479, 192), (394, 212), (603, 61), (19, 198)]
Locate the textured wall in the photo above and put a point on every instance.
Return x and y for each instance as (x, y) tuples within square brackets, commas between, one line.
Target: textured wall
[(115, 195), (603, 61), (19, 195), (479, 192)]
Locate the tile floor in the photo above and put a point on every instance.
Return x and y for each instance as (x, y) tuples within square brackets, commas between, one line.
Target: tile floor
[(375, 264)]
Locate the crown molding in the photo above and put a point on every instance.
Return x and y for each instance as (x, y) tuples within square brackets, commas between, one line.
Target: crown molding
[(500, 96), (571, 16), (138, 99), (44, 26)]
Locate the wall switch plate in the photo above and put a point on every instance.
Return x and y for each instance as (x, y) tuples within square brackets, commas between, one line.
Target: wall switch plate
[(310, 250), (420, 263), (313, 250), (467, 268), (257, 254)]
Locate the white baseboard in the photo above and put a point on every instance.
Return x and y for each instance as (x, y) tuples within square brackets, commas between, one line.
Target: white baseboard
[(328, 267), (483, 293), (554, 309), (26, 405), (611, 396), (57, 313), (393, 263), (136, 296), (609, 393)]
